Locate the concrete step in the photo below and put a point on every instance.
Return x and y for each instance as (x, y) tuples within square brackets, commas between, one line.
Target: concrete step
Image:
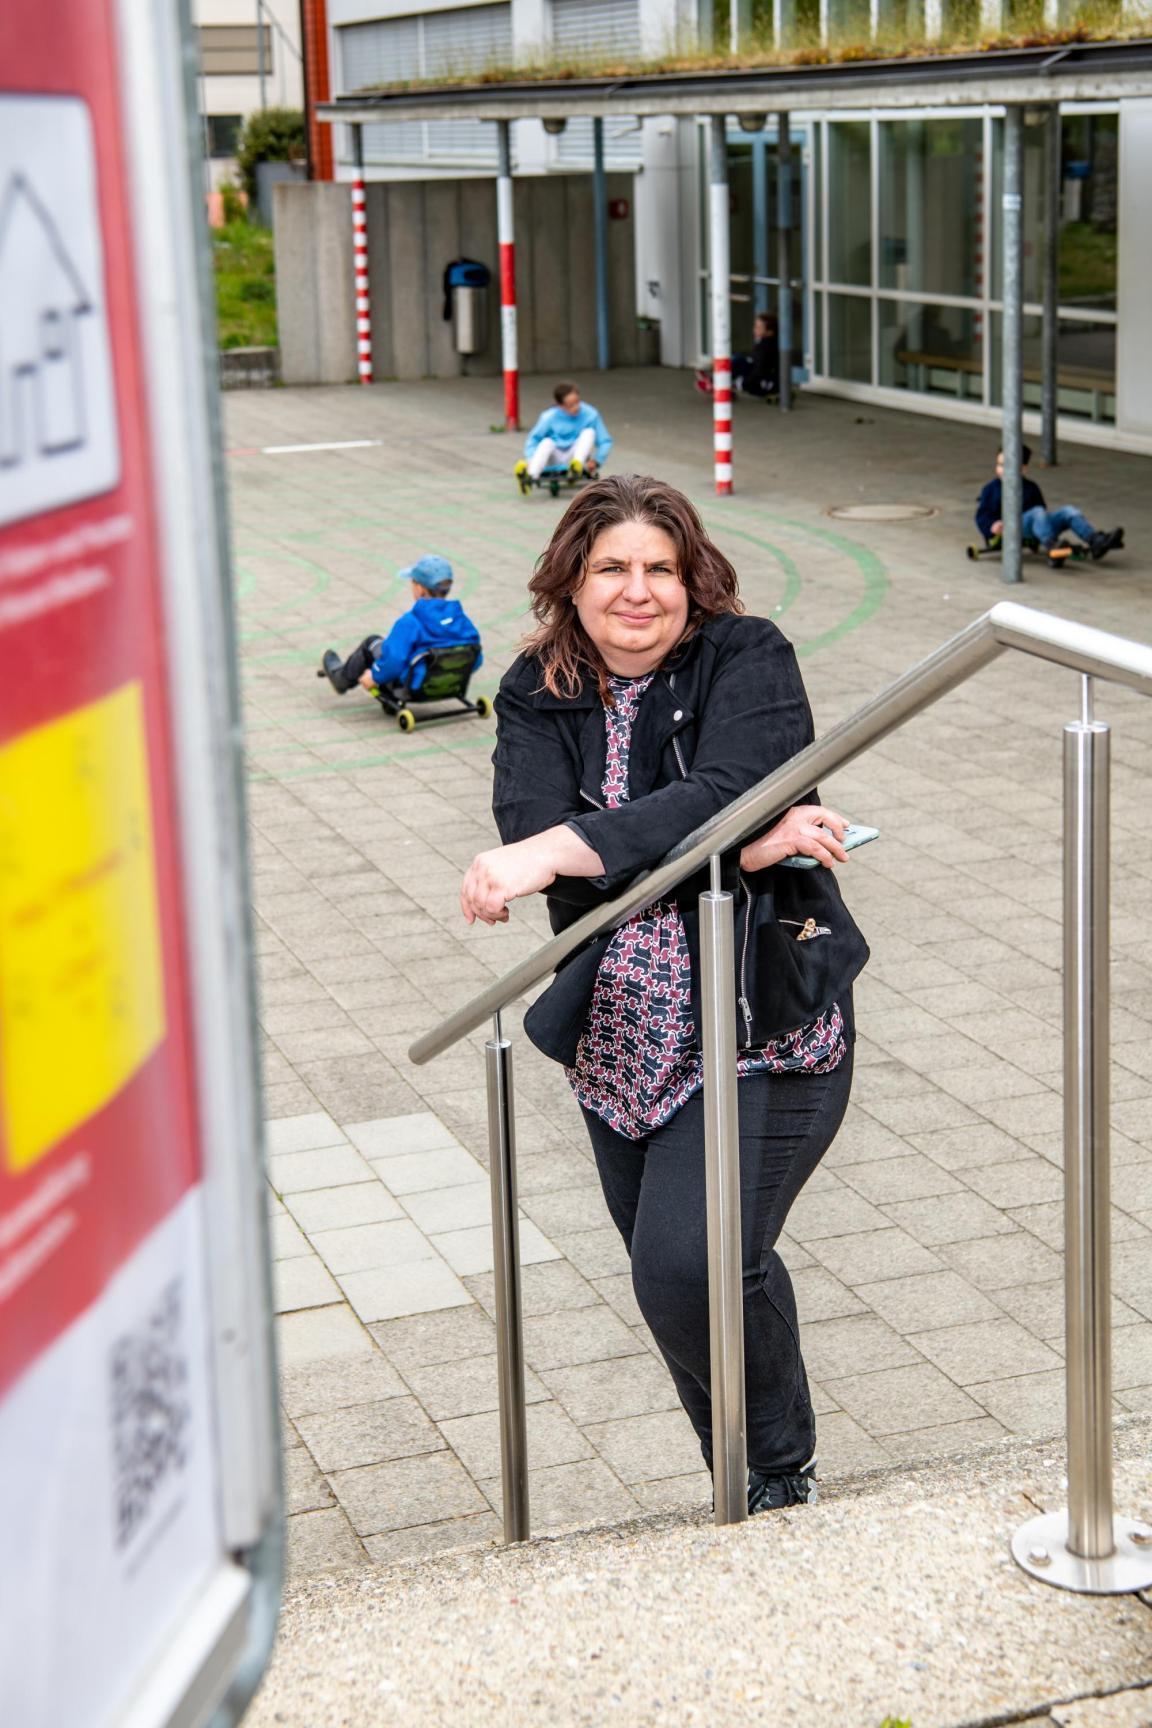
[(894, 1597)]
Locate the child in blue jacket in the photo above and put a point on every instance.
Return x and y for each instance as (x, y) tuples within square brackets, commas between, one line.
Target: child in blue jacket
[(434, 621), (571, 435), (1039, 523)]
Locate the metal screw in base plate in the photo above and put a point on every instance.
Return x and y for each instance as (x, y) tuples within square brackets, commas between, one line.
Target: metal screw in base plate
[(1041, 1548)]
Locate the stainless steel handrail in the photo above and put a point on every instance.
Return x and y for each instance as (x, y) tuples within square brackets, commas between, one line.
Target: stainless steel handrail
[(1088, 1548), (1007, 625)]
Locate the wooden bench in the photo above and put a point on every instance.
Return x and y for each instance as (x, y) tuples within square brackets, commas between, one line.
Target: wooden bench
[(1097, 384)]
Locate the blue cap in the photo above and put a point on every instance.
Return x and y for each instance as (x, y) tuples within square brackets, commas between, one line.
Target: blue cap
[(431, 572)]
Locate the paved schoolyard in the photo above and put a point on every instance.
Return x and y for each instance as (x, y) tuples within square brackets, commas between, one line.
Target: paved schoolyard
[(926, 1251)]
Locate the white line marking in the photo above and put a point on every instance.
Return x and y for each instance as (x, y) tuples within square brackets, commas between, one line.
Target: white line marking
[(348, 444)]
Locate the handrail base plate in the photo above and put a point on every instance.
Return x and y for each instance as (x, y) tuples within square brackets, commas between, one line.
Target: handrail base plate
[(1041, 1547)]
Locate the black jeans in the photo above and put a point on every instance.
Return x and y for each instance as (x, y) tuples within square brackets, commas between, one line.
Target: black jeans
[(655, 1192), (361, 660)]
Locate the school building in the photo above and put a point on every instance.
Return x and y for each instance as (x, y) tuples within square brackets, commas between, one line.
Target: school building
[(896, 191)]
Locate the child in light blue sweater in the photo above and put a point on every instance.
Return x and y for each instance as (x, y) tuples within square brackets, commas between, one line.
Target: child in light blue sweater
[(571, 435)]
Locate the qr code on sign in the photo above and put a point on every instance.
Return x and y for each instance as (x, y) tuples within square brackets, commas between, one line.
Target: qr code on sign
[(150, 1410)]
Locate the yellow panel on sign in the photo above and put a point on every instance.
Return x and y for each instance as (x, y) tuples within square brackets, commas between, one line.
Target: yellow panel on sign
[(81, 978)]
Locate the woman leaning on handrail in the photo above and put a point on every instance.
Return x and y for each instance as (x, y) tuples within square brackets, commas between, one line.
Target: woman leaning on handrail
[(644, 702)]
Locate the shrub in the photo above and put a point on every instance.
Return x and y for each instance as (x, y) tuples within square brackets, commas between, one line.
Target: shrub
[(270, 135), (232, 202)]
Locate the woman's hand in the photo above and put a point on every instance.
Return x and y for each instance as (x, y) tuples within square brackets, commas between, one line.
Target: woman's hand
[(509, 872), (505, 873), (807, 830)]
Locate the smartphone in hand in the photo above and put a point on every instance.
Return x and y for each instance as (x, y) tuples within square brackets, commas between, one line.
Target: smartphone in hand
[(855, 834)]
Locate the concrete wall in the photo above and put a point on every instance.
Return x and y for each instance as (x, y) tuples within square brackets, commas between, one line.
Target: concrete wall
[(417, 227), (315, 287)]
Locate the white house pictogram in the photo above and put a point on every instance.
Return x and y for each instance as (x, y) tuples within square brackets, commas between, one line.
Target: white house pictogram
[(42, 409), (58, 433)]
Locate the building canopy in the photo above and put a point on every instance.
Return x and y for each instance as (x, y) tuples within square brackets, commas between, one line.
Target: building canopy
[(1049, 72)]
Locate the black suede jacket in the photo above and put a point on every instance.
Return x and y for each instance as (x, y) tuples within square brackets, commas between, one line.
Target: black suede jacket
[(726, 709)]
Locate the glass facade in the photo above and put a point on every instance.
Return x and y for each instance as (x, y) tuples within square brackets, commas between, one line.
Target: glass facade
[(937, 350), (849, 196), (850, 337), (905, 214), (753, 237), (929, 205)]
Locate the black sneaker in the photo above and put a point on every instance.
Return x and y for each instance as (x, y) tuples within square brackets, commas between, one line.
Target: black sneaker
[(790, 1488), (1102, 543), (332, 668)]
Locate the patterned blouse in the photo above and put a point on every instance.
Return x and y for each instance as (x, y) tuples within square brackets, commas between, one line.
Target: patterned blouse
[(638, 1060)]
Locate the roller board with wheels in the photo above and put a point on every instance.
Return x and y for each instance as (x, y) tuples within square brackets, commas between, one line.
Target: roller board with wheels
[(436, 677), (552, 479), (1056, 558)]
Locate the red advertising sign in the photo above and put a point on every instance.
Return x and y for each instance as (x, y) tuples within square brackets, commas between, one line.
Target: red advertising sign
[(97, 1133)]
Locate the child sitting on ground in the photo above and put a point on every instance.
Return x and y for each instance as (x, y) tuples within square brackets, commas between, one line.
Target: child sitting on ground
[(571, 435), (757, 373), (433, 621), (1039, 523)]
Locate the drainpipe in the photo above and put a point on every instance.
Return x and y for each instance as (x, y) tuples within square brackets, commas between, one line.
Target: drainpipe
[(600, 207)]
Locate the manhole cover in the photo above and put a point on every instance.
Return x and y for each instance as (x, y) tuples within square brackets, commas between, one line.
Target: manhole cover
[(881, 512)]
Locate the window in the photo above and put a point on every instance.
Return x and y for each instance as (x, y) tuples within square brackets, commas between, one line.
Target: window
[(850, 202), (930, 198), (908, 254), (850, 337), (937, 350), (426, 45), (598, 30), (1090, 163), (1085, 368), (1089, 178), (223, 131), (233, 50)]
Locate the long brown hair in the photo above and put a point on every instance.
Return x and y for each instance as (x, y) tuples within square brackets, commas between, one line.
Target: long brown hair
[(560, 642)]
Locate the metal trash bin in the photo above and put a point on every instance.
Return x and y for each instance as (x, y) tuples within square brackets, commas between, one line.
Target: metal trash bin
[(467, 286)]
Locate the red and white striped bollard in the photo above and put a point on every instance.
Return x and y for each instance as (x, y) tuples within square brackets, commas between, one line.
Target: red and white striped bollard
[(360, 265), (506, 236), (720, 260)]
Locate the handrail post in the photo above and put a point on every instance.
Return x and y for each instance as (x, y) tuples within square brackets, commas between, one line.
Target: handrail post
[(722, 1174), (1086, 1548), (506, 1257)]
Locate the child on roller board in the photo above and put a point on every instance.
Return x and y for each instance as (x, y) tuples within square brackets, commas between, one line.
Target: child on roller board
[(433, 621), (571, 435), (1040, 524)]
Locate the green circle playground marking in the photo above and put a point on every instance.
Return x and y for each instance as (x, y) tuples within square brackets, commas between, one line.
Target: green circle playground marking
[(876, 586)]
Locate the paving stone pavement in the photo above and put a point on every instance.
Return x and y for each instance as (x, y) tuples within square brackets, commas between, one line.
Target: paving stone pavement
[(927, 1249)]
